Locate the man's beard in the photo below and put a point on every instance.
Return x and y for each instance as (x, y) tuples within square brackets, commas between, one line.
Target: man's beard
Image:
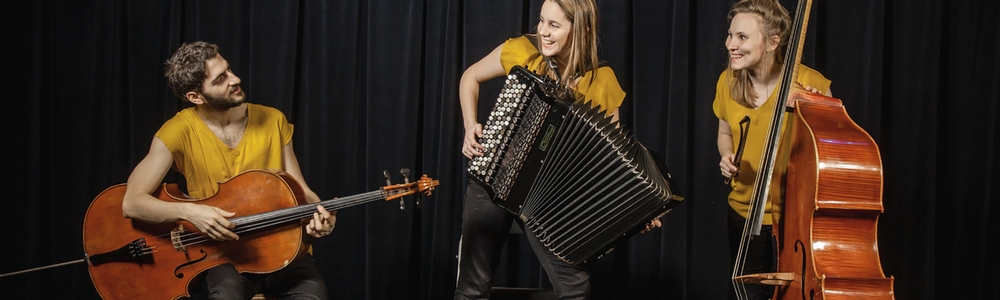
[(221, 103)]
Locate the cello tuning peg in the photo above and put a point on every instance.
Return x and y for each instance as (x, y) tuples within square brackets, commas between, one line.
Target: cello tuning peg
[(388, 180), (406, 175), (406, 179)]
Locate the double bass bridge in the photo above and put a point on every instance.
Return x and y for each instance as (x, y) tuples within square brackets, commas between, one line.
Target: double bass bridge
[(778, 278)]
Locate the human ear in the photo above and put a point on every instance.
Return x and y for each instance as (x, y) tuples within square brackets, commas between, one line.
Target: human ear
[(773, 43), (194, 97)]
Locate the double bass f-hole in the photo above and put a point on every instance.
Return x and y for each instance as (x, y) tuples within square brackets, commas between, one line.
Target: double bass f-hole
[(800, 248), (738, 158)]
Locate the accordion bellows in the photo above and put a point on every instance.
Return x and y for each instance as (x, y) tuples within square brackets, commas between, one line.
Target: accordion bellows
[(577, 180)]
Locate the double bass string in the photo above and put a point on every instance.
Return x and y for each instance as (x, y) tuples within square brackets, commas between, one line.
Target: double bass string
[(772, 139), (740, 287)]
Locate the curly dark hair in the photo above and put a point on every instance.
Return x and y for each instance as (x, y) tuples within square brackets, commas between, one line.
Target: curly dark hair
[(185, 70)]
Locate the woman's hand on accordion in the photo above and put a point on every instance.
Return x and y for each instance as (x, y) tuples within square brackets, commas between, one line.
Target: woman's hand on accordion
[(655, 223), (470, 146)]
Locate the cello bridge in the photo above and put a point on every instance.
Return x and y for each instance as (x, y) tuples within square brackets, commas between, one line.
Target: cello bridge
[(175, 239)]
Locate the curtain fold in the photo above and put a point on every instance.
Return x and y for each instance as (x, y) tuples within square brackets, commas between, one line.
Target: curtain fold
[(372, 86)]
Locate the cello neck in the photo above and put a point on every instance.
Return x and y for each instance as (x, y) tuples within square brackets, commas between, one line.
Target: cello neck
[(268, 219)]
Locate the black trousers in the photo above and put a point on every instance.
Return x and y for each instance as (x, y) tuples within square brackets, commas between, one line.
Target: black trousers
[(485, 227), (760, 257), (299, 280)]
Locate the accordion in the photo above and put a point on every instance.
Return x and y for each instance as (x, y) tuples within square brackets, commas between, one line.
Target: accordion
[(579, 182)]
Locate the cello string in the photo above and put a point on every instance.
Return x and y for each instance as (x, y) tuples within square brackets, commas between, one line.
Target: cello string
[(260, 221), (253, 222), (191, 238)]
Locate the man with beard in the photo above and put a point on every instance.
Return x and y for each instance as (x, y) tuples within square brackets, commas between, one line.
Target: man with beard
[(218, 138)]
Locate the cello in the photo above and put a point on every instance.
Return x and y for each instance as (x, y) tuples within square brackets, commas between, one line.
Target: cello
[(827, 231), (131, 259)]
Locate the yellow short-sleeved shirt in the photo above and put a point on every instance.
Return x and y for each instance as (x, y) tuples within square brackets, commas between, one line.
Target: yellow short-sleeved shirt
[(205, 160), (728, 110), (604, 91)]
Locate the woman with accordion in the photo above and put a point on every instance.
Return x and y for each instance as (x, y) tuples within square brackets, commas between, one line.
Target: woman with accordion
[(564, 50)]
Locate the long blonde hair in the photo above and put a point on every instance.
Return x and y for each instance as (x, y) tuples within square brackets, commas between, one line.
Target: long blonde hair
[(582, 14), (774, 21)]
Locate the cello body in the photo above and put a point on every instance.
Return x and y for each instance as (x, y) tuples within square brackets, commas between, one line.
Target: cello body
[(827, 230), (136, 260), (165, 265)]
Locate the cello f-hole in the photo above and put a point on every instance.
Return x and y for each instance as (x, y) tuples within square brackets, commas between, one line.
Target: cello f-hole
[(177, 269)]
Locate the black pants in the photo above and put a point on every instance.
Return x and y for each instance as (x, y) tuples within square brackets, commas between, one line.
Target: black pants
[(760, 257), (485, 227), (298, 280)]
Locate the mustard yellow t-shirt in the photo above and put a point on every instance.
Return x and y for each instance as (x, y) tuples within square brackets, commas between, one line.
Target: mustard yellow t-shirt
[(604, 91), (205, 160), (728, 110)]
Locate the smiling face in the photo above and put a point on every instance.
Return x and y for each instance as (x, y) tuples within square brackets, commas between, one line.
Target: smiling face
[(747, 44), (554, 30), (221, 88)]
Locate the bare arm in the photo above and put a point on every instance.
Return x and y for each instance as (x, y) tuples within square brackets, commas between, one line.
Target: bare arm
[(138, 204), (487, 68), (725, 144), (323, 221), (291, 163)]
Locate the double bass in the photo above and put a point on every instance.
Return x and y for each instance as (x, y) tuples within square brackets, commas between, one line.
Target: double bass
[(827, 230), (131, 259)]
